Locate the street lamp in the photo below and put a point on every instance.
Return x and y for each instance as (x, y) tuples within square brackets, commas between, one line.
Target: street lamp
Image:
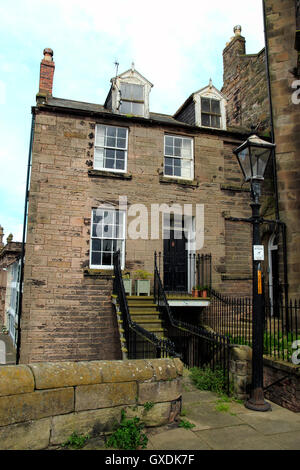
[(253, 156)]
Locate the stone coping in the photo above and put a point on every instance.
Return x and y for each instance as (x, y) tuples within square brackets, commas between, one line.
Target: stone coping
[(16, 379)]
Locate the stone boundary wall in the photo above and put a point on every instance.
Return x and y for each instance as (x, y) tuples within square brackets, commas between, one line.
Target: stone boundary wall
[(42, 404), (283, 380)]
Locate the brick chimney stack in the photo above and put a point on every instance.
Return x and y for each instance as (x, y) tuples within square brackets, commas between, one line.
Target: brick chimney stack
[(46, 73), (232, 52)]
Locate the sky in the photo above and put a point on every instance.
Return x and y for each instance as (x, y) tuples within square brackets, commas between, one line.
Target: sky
[(176, 45)]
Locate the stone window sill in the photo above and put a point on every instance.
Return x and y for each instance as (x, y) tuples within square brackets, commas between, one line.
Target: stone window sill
[(99, 273), (232, 187), (109, 174), (187, 183)]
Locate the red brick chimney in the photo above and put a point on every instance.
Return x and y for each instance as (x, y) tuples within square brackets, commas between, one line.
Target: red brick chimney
[(47, 73)]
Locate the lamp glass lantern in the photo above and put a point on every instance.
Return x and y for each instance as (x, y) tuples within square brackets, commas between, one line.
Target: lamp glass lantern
[(253, 156)]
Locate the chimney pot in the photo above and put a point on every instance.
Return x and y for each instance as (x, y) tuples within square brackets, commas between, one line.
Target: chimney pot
[(237, 30), (48, 54)]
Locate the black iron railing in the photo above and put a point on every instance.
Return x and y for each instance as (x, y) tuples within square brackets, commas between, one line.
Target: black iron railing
[(198, 346), (140, 343), (192, 270), (232, 317)]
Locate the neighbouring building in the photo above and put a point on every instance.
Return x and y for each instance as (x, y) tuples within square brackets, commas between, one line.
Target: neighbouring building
[(246, 80), (10, 254)]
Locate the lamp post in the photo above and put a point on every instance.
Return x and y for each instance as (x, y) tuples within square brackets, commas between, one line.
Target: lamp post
[(253, 156)]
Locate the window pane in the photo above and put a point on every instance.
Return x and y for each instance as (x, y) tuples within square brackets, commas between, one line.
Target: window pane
[(121, 143), (215, 106), (98, 159), (138, 108), (205, 119), (177, 171), (168, 150), (111, 131), (131, 91), (111, 142), (186, 169), (109, 163), (205, 105), (177, 151), (96, 258), (186, 148), (96, 245), (169, 141), (107, 259), (122, 132), (125, 107), (168, 170), (109, 217), (100, 133), (107, 245), (215, 121)]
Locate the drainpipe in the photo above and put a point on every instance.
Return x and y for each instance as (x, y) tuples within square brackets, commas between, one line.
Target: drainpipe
[(23, 239), (282, 224)]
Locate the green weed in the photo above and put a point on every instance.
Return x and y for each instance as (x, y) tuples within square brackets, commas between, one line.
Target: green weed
[(76, 441), (184, 423), (129, 435)]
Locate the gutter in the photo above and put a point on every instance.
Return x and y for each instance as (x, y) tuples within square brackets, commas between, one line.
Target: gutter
[(23, 240)]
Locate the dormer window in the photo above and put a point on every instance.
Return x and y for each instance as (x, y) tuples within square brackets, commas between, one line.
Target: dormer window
[(204, 108), (132, 99), (129, 94), (210, 112)]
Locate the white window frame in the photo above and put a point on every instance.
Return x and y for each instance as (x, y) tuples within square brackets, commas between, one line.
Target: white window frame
[(132, 101), (210, 114), (211, 93), (182, 158), (121, 238), (125, 150)]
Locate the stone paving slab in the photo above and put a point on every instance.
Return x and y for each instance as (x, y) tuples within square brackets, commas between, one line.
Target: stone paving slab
[(288, 440), (241, 437), (273, 422), (174, 439)]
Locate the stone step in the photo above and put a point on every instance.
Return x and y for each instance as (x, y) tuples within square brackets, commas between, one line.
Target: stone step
[(144, 317), (142, 310)]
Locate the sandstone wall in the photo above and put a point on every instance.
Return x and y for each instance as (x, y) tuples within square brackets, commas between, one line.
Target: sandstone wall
[(67, 313), (281, 28), (245, 86), (41, 405)]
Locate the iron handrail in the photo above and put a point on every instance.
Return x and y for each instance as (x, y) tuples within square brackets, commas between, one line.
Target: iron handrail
[(161, 345), (162, 302)]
